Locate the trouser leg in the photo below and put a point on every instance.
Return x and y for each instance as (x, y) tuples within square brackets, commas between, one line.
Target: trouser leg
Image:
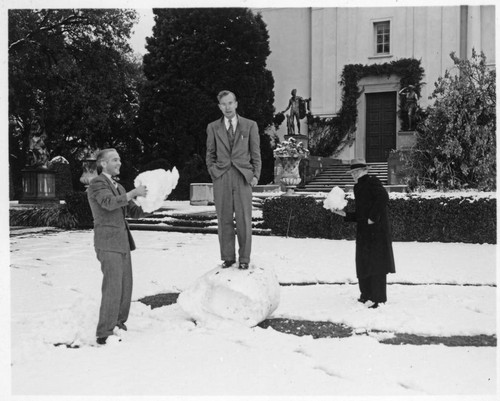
[(127, 282), (223, 199), (365, 288), (242, 193), (378, 284), (112, 284)]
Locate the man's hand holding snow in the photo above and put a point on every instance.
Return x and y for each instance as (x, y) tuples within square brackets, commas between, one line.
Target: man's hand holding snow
[(141, 190)]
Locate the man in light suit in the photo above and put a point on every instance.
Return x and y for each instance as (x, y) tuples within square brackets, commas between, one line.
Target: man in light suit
[(234, 163), (110, 203)]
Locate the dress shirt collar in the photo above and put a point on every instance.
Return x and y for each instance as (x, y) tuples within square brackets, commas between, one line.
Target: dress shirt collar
[(234, 121), (111, 179)]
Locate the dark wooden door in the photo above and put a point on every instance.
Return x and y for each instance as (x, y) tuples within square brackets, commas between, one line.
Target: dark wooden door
[(380, 125)]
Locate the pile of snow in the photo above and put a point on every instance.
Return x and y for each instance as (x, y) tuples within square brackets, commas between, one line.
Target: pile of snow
[(159, 184), (243, 296), (335, 199)]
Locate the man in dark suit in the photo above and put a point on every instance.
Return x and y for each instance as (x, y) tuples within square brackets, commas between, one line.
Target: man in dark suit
[(110, 203), (374, 255), (234, 163)]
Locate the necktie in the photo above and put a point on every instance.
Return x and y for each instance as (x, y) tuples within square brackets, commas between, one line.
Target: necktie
[(230, 133)]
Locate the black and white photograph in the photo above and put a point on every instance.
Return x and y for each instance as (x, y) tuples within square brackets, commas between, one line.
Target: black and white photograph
[(249, 200)]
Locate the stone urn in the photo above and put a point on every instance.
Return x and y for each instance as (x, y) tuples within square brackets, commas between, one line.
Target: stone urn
[(289, 153), (290, 176), (89, 167)]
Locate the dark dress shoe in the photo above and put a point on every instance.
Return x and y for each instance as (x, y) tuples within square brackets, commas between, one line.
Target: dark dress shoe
[(374, 306), (101, 340), (228, 263), (243, 266), (122, 326), (362, 300)]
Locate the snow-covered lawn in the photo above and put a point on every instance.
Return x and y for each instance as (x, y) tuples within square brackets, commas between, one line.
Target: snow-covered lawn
[(55, 284)]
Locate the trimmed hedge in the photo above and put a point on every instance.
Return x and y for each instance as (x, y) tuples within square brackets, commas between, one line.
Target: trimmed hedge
[(412, 217), (43, 216), (75, 213)]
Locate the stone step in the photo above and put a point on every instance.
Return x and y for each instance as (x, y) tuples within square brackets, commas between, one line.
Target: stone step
[(203, 223), (337, 176)]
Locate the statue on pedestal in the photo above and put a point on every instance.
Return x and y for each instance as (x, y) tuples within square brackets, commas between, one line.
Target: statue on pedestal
[(411, 99), (38, 154), (298, 109)]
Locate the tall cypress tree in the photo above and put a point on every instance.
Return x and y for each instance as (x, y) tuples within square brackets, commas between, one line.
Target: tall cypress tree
[(195, 53)]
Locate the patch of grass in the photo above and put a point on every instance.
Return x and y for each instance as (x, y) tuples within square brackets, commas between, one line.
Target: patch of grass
[(156, 301), (321, 329), (481, 340), (308, 328)]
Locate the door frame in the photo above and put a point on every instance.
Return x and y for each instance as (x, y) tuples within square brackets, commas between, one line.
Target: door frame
[(373, 84)]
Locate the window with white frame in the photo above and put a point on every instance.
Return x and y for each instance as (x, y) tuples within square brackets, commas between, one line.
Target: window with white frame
[(382, 37)]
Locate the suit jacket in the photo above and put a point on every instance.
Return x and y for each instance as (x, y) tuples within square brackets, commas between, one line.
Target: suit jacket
[(244, 155), (109, 207)]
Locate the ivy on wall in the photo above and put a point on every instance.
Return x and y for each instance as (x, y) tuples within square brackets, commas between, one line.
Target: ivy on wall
[(329, 136)]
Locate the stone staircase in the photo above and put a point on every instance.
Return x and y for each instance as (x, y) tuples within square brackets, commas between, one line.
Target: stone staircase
[(337, 175), (202, 222)]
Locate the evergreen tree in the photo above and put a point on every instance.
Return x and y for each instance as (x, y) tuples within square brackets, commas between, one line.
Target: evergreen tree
[(193, 54), (75, 68), (456, 143)]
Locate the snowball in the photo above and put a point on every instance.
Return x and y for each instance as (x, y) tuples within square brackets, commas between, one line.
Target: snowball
[(243, 296), (335, 199), (159, 184)]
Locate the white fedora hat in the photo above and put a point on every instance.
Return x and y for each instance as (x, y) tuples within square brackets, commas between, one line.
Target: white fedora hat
[(358, 164)]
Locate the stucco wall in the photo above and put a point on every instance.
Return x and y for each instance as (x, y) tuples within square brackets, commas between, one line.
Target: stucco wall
[(311, 46)]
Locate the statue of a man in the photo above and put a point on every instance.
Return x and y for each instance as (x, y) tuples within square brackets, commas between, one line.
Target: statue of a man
[(411, 99), (38, 154), (297, 106)]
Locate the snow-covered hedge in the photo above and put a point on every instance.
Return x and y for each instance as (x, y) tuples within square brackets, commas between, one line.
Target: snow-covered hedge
[(74, 213), (424, 217)]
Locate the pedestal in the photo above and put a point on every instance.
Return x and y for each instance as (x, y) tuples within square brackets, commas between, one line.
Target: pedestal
[(396, 167), (201, 194), (406, 140), (39, 185)]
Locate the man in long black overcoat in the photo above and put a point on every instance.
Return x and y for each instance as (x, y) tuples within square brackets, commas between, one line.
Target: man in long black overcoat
[(374, 255)]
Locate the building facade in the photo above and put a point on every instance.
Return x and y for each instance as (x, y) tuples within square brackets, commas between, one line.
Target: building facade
[(311, 46)]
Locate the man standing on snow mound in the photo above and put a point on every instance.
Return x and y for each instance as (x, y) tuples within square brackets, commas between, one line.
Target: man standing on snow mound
[(110, 203), (234, 163), (374, 256)]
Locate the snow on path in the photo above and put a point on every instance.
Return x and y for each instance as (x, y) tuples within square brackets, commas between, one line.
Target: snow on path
[(55, 293)]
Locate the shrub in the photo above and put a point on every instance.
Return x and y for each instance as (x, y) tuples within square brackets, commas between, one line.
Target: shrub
[(78, 206), (75, 213), (43, 216), (64, 183), (456, 144), (412, 217)]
